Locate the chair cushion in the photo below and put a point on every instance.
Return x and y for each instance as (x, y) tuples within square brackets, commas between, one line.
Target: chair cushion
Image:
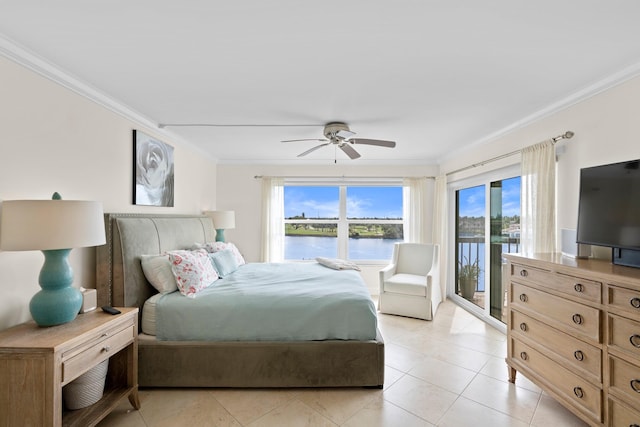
[(408, 284)]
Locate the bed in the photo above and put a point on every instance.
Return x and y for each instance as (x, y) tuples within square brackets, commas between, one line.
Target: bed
[(120, 281)]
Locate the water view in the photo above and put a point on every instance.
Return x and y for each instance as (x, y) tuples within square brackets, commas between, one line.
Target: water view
[(310, 247)]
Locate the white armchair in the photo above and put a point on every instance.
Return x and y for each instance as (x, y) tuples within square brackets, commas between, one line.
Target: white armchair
[(410, 285)]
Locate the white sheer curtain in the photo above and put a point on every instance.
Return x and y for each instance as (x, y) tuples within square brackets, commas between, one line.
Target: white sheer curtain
[(440, 228), (538, 216), (272, 219), (414, 192)]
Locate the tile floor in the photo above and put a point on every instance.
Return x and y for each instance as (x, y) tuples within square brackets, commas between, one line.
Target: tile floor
[(448, 372)]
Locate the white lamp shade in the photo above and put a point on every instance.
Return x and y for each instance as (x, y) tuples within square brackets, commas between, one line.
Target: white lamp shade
[(27, 225), (223, 220)]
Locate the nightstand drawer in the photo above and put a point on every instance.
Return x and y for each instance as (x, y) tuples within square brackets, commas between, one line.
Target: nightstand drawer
[(624, 380), (578, 287), (95, 354), (572, 352), (569, 316), (570, 385)]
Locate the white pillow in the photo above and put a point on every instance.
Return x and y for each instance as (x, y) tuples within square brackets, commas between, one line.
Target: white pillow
[(157, 270), (193, 271), (213, 247)]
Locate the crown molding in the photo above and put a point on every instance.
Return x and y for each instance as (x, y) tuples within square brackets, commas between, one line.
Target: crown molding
[(583, 94), (30, 60)]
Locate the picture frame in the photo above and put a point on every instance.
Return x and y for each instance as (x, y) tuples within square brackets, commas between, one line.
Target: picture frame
[(153, 171)]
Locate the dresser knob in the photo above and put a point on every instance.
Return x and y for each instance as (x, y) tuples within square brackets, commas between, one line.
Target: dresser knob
[(579, 355), (635, 385), (106, 348), (524, 297), (104, 335), (635, 302), (635, 340), (578, 392), (634, 425), (578, 287), (524, 355), (524, 273), (524, 327), (577, 319)]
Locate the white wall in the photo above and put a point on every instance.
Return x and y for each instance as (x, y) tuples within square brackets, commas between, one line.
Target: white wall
[(607, 130), (239, 190), (52, 139)]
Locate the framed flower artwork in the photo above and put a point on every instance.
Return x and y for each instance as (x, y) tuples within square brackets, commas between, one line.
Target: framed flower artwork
[(152, 171)]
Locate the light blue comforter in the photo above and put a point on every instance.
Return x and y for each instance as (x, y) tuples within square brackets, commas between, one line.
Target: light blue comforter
[(272, 302)]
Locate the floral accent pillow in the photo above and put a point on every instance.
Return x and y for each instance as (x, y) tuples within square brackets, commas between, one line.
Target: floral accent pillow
[(213, 247), (193, 271)]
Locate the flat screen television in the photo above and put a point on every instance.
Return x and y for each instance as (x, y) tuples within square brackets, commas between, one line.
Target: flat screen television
[(609, 210)]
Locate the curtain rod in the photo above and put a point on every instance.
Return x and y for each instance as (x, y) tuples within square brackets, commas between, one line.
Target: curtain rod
[(567, 135), (344, 177)]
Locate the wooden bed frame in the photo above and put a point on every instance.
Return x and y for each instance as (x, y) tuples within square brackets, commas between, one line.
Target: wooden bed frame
[(121, 282)]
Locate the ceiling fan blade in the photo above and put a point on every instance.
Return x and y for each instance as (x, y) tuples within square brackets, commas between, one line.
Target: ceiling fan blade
[(344, 134), (349, 151), (377, 142), (299, 140), (311, 150)]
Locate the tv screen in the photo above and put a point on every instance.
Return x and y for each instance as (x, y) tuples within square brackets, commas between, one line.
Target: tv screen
[(609, 206)]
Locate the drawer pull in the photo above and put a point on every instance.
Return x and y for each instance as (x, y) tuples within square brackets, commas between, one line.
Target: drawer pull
[(577, 319), (525, 328), (578, 392), (635, 385), (524, 297), (635, 302), (578, 287), (106, 348), (524, 355), (635, 340), (579, 355), (524, 273)]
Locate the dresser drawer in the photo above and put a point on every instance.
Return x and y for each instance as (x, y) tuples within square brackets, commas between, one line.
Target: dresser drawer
[(96, 353), (624, 299), (624, 334), (575, 317), (620, 415), (585, 289), (564, 382), (624, 380), (574, 353)]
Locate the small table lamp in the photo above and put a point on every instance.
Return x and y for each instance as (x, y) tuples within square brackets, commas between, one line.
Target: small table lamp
[(54, 227), (222, 220)]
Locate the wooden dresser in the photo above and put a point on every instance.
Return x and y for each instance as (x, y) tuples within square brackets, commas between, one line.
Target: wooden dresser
[(35, 363), (573, 328)]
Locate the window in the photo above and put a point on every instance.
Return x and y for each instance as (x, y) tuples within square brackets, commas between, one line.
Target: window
[(351, 222)]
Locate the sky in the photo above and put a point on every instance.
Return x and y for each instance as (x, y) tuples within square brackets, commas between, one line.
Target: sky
[(472, 200), (362, 202)]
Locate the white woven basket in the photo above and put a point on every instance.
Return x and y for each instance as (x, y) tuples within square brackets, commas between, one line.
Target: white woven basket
[(87, 389)]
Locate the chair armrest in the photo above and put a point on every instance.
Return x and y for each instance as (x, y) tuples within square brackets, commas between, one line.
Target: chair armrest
[(386, 273)]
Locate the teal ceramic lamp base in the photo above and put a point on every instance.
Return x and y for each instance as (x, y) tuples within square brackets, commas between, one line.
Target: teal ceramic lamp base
[(58, 302), (220, 235)]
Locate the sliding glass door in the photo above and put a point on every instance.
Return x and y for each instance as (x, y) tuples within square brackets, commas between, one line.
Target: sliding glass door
[(480, 243)]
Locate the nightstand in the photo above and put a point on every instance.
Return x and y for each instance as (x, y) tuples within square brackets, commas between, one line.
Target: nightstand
[(36, 362)]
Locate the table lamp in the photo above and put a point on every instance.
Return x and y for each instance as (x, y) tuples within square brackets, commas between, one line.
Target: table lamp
[(55, 227), (222, 220)]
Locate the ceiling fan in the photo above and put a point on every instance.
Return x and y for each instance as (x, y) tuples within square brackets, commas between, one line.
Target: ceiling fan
[(338, 134)]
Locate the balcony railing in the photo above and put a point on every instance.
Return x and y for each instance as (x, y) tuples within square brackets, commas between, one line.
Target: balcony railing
[(471, 249)]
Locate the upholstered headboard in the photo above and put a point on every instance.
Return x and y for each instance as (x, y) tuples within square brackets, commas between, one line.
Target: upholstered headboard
[(119, 277)]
